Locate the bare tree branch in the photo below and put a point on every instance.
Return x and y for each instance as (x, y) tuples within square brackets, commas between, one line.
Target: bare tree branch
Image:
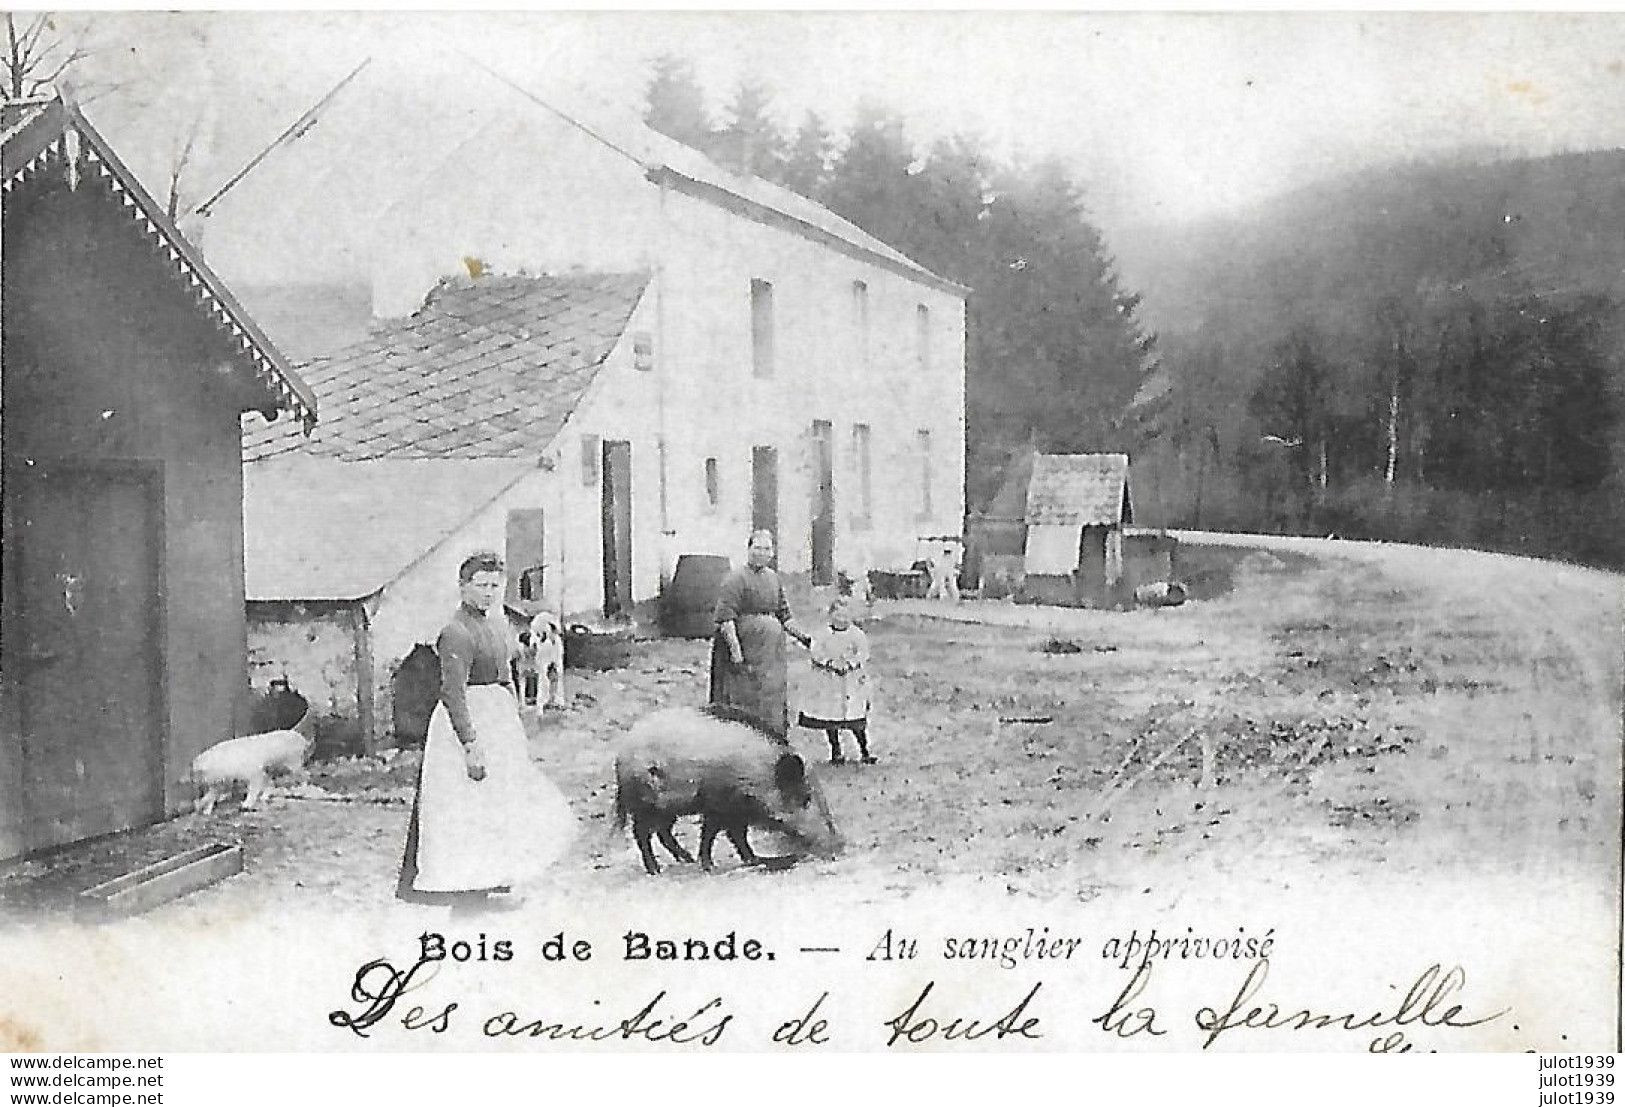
[(179, 167), (35, 29), (41, 82), (34, 59)]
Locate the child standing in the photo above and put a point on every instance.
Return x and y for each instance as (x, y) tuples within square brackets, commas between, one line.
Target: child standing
[(838, 695)]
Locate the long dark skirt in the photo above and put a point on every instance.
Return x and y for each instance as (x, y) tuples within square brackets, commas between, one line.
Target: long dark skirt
[(757, 687)]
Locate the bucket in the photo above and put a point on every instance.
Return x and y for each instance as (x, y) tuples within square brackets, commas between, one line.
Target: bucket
[(585, 648), (689, 601)]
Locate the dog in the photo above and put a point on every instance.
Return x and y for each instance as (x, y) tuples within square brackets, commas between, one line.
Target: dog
[(538, 655), (944, 570), (547, 646), (252, 761)]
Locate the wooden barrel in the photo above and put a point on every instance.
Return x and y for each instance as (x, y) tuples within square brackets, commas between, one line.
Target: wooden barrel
[(416, 689), (690, 599)]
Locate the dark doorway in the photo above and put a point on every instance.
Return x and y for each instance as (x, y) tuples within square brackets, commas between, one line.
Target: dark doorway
[(764, 491), (84, 592), (823, 508), (617, 529)]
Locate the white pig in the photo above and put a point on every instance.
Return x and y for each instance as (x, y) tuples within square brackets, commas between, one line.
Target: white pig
[(252, 761)]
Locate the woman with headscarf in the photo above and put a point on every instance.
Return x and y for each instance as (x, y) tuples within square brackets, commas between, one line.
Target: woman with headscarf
[(485, 819), (748, 668)]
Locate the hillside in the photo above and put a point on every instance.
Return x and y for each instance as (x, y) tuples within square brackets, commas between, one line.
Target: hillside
[(1535, 224), (1430, 351)]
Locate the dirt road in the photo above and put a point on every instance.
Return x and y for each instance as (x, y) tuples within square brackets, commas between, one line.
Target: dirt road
[(1386, 755), (1342, 709)]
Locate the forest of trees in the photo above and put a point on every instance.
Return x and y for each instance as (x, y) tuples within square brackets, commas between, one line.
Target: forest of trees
[(1430, 355), (1054, 347)]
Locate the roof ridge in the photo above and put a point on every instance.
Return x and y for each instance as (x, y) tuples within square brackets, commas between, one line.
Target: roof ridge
[(652, 161), (386, 323)]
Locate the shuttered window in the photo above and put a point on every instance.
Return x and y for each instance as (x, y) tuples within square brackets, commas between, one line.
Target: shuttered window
[(860, 325), (761, 328), (923, 443), (592, 460), (713, 484), (525, 554), (922, 339), (861, 459)]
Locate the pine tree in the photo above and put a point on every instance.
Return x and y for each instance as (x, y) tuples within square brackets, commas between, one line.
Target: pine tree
[(674, 103), (1063, 331), (751, 142), (871, 183), (807, 162)]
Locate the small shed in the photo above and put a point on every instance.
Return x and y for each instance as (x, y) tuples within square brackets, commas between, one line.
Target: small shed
[(1077, 506), (127, 366)]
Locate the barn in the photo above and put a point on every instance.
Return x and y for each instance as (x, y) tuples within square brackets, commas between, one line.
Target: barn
[(125, 369)]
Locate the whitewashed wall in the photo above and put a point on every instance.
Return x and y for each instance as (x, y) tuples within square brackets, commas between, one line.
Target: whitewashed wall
[(622, 405), (417, 604), (718, 408)]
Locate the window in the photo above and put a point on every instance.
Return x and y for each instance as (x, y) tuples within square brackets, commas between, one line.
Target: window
[(713, 484), (922, 338), (761, 328), (524, 554), (643, 351), (665, 512), (860, 458), (923, 441), (592, 458), (860, 324)]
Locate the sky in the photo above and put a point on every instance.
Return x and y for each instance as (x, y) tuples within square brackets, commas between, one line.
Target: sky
[(1164, 118)]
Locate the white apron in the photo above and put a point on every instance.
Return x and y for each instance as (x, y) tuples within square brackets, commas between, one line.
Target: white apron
[(503, 830)]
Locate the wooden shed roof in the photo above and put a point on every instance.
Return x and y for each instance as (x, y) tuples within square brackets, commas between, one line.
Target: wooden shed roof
[(50, 143), (322, 529), (1073, 489)]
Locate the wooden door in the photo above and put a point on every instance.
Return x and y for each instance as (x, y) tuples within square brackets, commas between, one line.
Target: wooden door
[(823, 506), (617, 528), (84, 594), (764, 491)]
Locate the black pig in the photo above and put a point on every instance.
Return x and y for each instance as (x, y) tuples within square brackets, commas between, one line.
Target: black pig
[(686, 761)]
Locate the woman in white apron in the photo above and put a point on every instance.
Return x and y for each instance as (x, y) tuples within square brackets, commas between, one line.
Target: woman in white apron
[(486, 819)]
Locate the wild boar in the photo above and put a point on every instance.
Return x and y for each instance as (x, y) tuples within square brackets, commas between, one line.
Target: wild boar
[(688, 761)]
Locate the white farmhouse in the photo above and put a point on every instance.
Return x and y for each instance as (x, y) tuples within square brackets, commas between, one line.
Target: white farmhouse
[(768, 364)]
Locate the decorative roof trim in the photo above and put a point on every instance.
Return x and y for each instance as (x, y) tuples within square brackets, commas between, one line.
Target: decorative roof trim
[(82, 152)]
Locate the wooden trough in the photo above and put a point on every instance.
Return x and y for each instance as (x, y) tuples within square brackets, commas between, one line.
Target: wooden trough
[(158, 883)]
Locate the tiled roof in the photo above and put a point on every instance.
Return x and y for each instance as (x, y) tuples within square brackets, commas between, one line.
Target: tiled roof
[(51, 144), (1091, 489), (320, 529), (486, 368)]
